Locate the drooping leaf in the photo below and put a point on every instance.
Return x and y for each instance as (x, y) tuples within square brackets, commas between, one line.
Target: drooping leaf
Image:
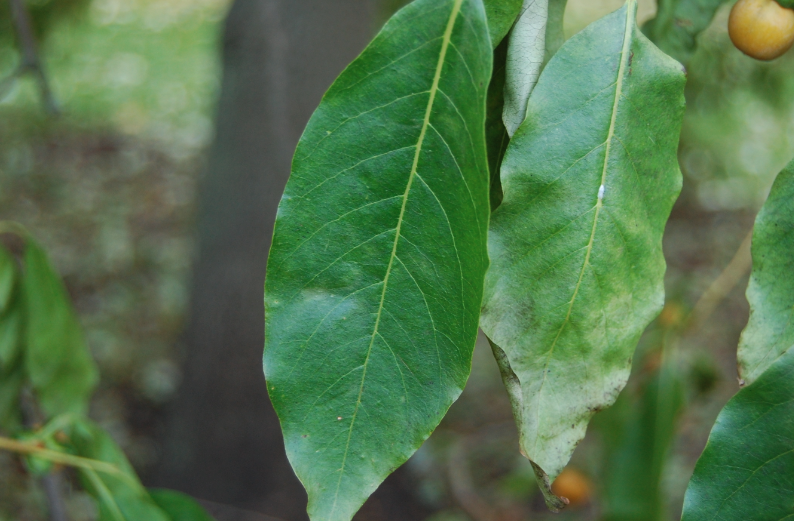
[(525, 55), (678, 23), (178, 506), (57, 361), (120, 497), (501, 15), (770, 331), (375, 274), (747, 469), (576, 270)]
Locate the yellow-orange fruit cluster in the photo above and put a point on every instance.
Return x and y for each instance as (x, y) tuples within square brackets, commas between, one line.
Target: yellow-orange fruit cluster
[(761, 29)]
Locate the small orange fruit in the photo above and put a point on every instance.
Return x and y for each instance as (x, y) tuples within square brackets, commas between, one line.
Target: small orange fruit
[(761, 29), (573, 485)]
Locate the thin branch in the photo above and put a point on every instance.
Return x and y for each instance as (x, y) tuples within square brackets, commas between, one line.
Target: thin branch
[(30, 56), (53, 487), (736, 269), (62, 458)]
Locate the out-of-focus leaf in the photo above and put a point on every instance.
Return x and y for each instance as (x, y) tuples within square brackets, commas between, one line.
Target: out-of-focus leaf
[(59, 366), (678, 23), (374, 280), (576, 246), (495, 131), (11, 381), (120, 497), (639, 433), (180, 507), (10, 335), (501, 14), (747, 469), (525, 56), (770, 331), (8, 278)]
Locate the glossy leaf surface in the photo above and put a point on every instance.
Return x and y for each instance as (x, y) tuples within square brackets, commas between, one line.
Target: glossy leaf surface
[(770, 331), (57, 360), (678, 23), (375, 274), (577, 268), (747, 469)]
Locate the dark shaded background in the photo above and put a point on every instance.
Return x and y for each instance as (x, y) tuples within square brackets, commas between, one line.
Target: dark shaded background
[(155, 193)]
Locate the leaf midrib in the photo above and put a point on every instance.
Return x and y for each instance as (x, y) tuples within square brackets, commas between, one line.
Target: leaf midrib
[(425, 124), (630, 10)]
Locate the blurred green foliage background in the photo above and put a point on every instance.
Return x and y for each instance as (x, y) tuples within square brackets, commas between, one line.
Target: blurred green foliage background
[(109, 188)]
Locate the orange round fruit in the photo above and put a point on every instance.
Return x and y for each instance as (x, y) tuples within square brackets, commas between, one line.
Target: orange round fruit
[(761, 29), (573, 485)]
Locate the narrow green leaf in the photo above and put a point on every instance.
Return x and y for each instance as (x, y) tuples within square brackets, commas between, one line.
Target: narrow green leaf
[(501, 14), (639, 432), (770, 331), (525, 56), (577, 268), (678, 23), (120, 498), (59, 366), (178, 506), (747, 469), (375, 274)]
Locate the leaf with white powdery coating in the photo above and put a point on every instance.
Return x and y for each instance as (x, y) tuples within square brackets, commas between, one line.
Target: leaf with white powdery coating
[(770, 331), (375, 275), (577, 268)]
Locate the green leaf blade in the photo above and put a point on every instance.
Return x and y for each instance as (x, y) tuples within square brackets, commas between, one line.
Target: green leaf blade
[(577, 268), (747, 468), (57, 360), (501, 15), (770, 331), (375, 273)]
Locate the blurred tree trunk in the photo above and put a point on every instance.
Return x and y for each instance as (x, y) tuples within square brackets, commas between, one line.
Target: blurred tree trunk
[(222, 440)]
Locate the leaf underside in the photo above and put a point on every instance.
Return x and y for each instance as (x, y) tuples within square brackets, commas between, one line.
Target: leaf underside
[(577, 269), (525, 58), (770, 331), (376, 270), (747, 469)]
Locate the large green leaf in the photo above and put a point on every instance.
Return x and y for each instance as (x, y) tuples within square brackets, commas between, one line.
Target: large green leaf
[(770, 331), (678, 23), (746, 471), (589, 181), (501, 15), (57, 360), (375, 274), (120, 497)]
